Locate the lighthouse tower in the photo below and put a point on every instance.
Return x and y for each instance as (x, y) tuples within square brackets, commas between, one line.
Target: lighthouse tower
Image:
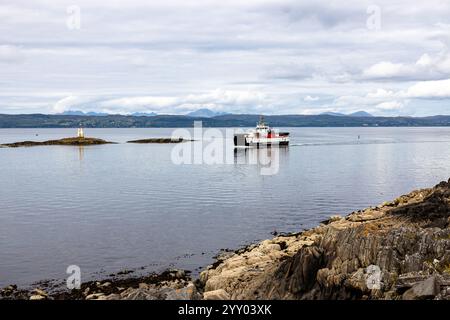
[(80, 133)]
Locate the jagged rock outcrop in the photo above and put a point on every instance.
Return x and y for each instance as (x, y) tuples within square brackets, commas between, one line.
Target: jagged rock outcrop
[(398, 250)]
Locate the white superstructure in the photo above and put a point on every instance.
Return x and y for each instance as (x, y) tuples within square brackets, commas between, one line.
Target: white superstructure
[(261, 136)]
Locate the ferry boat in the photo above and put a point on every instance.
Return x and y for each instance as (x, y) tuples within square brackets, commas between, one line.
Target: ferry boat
[(261, 136)]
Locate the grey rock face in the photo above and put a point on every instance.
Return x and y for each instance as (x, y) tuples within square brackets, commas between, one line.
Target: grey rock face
[(427, 289), (167, 291), (216, 295), (398, 250)]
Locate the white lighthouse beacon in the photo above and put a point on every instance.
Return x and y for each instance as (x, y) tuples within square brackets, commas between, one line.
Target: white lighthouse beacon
[(80, 133)]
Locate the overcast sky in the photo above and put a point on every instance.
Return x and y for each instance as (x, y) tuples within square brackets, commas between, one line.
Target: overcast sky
[(272, 57)]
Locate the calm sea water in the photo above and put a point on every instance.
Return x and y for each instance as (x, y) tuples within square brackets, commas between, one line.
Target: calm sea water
[(110, 207)]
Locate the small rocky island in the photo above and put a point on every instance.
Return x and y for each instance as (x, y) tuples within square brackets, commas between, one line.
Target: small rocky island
[(75, 141), (159, 140), (399, 250)]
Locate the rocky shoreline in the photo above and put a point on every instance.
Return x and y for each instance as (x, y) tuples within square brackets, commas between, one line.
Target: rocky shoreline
[(397, 250), (406, 242), (171, 284)]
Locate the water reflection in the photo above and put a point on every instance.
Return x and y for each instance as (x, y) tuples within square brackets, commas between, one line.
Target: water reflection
[(81, 153), (267, 160)]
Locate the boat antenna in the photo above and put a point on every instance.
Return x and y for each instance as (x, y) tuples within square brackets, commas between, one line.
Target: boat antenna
[(261, 120)]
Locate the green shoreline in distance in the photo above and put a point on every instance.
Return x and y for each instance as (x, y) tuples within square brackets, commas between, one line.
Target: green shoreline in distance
[(223, 121)]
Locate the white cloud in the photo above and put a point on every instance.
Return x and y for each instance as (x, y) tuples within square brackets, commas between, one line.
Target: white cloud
[(228, 97), (387, 101), (439, 63), (134, 103), (429, 90), (387, 70), (389, 106), (218, 100), (264, 55), (310, 98), (380, 101), (69, 102), (381, 94), (427, 67), (10, 54)]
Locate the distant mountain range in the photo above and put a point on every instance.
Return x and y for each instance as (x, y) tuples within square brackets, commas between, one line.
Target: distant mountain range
[(226, 120), (354, 114), (201, 113), (81, 113), (204, 113), (144, 114)]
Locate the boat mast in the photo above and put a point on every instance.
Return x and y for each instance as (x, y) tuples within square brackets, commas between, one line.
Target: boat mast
[(261, 122)]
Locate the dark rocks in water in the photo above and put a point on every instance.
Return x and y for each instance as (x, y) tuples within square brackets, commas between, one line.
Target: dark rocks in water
[(398, 250), (123, 272), (170, 284), (86, 142), (159, 140), (11, 292), (150, 287), (61, 142)]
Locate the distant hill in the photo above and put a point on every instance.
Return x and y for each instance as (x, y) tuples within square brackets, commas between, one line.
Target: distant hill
[(227, 120), (101, 114), (204, 113), (335, 114), (81, 113), (201, 113), (354, 114), (144, 114), (360, 114)]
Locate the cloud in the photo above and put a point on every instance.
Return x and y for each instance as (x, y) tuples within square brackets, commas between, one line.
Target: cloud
[(263, 55), (383, 70), (291, 71), (439, 63), (228, 98), (429, 90), (134, 103), (10, 54), (385, 101), (389, 105), (218, 100), (380, 101), (427, 67), (70, 102), (310, 98), (381, 94)]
